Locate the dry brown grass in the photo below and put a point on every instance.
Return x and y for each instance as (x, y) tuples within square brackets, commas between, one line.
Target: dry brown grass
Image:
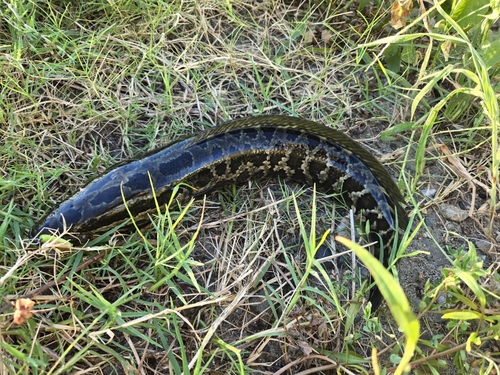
[(87, 84)]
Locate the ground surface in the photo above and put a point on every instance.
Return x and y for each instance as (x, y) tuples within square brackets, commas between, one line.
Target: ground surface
[(114, 81)]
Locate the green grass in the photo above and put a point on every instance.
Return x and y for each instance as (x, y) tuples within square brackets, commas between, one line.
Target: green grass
[(224, 284)]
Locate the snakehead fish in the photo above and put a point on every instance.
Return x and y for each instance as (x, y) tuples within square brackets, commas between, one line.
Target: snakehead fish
[(250, 148)]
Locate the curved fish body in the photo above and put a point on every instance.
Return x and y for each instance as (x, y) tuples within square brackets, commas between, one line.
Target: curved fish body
[(250, 148)]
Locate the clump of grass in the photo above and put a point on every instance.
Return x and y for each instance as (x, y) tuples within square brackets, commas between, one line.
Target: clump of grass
[(85, 85)]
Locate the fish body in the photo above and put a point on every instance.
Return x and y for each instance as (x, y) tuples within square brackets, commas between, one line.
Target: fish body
[(251, 148), (232, 153)]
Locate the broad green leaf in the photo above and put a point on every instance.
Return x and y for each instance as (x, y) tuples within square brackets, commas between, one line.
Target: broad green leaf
[(462, 315), (392, 57), (469, 13), (395, 297), (473, 339), (490, 52), (473, 285), (56, 241)]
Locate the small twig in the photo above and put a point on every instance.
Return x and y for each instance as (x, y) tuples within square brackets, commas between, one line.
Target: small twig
[(430, 358)]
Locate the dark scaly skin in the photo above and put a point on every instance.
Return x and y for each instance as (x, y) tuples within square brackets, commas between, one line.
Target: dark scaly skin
[(233, 152)]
